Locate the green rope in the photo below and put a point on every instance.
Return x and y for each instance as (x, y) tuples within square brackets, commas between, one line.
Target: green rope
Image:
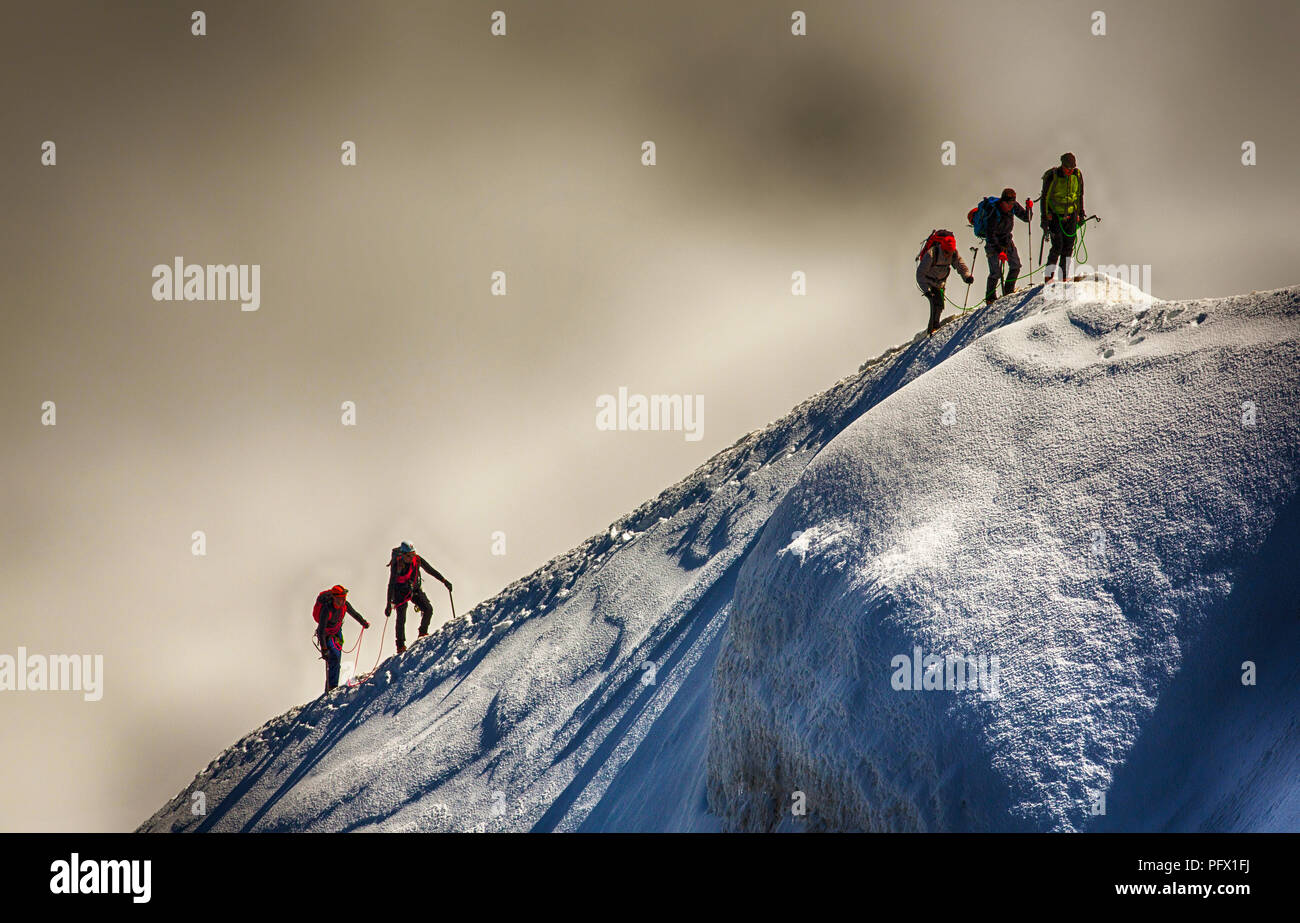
[(1080, 248), (1080, 256), (965, 310)]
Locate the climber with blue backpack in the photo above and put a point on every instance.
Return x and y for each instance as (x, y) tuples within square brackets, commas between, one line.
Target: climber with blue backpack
[(993, 220)]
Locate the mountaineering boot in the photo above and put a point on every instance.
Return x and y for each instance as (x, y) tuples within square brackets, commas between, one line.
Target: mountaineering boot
[(401, 648)]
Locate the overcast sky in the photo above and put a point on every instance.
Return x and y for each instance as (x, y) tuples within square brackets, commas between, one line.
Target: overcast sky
[(476, 414)]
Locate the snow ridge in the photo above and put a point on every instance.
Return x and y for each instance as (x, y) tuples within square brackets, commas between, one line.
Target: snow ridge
[(1083, 495), (718, 647)]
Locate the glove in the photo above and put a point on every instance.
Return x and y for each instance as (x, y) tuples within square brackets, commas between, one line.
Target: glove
[(447, 584), (388, 610), (365, 624), (968, 279)]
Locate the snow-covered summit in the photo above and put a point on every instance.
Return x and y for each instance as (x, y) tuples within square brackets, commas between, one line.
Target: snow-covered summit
[(1085, 499), (1094, 487)]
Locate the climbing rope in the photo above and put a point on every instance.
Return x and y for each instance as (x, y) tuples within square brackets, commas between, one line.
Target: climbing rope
[(381, 644), (1080, 253), (355, 644), (1080, 256), (966, 310)]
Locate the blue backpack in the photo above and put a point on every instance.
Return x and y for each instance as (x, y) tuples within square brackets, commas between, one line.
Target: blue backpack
[(980, 215)]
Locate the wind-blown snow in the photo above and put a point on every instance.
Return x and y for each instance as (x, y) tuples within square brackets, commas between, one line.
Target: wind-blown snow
[(729, 642)]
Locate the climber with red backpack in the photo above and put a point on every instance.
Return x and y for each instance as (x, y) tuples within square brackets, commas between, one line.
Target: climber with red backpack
[(331, 606), (404, 567), (937, 257), (993, 220)]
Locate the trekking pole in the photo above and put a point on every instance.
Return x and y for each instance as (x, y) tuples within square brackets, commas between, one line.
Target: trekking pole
[(973, 251), (1029, 229), (453, 605)]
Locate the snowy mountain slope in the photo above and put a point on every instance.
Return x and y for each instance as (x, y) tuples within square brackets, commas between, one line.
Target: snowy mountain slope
[(1099, 510), (585, 696), (519, 716)]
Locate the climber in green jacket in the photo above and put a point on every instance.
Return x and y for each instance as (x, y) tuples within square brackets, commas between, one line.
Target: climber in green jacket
[(1061, 207)]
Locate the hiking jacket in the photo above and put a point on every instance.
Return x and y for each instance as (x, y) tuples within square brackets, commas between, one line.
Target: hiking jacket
[(1051, 174), (935, 265), (1002, 226), (331, 619), (403, 582)]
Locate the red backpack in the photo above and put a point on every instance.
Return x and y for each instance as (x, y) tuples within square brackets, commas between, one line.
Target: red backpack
[(409, 580), (935, 236), (333, 605)]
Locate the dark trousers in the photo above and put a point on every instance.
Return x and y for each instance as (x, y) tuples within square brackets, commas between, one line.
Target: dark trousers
[(991, 250), (1061, 232), (423, 606), (935, 297), (332, 650)]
